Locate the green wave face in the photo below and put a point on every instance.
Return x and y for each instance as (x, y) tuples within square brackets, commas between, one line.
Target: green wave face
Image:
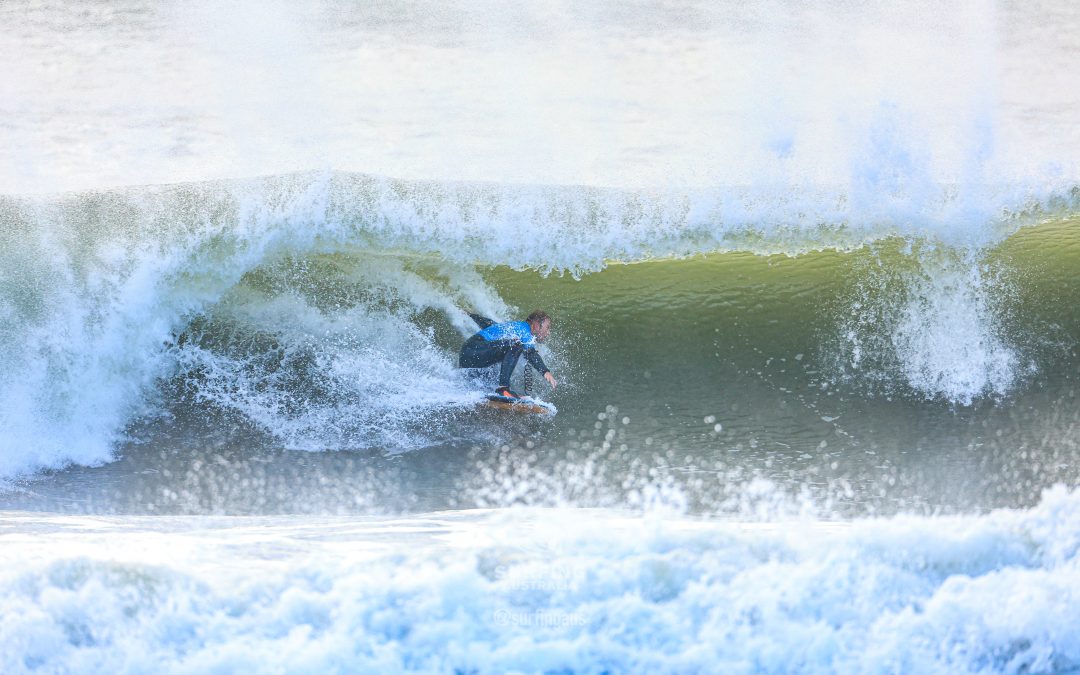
[(926, 376), (877, 364), (842, 319)]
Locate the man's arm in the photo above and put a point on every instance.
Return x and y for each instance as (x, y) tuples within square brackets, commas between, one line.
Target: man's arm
[(534, 358)]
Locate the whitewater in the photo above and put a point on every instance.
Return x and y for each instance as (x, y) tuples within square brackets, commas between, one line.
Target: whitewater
[(814, 273)]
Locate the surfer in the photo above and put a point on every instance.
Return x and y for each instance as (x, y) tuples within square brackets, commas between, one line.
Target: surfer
[(504, 343)]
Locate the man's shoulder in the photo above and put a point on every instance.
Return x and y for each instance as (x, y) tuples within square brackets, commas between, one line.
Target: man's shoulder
[(505, 329)]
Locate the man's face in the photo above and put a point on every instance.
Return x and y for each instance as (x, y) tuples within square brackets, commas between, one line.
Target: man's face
[(541, 330)]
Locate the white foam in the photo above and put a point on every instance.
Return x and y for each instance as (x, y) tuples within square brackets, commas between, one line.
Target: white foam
[(543, 589), (947, 338), (355, 379)]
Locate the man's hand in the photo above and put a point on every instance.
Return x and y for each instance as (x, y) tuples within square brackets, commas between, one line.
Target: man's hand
[(550, 379)]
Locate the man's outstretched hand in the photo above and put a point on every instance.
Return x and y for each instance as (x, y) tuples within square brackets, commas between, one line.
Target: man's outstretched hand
[(550, 379)]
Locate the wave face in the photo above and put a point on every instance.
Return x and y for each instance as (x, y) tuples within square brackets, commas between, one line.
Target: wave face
[(323, 311)]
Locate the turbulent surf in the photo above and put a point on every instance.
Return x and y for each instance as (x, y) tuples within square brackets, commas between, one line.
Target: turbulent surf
[(817, 341)]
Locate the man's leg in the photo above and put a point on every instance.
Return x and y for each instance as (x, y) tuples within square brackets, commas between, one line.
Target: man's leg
[(481, 321), (479, 353), (509, 361)]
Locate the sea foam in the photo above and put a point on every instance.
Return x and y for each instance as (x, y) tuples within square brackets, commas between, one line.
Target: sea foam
[(543, 590)]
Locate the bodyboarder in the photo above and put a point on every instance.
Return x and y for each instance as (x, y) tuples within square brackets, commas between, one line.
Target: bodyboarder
[(505, 343)]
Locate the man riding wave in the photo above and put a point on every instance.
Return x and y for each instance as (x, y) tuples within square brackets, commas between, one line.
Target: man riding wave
[(504, 343)]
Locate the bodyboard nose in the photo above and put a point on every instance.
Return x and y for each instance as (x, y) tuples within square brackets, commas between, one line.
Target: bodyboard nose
[(525, 404)]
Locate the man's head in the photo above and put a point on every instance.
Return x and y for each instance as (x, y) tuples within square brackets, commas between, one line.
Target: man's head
[(540, 324)]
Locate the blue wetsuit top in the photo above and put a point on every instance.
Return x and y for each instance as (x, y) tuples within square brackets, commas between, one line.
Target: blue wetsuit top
[(512, 331), (516, 331)]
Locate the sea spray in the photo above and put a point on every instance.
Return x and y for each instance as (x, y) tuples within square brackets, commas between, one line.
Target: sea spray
[(947, 338), (665, 94), (937, 315)]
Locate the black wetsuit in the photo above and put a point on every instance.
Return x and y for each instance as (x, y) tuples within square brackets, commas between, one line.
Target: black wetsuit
[(499, 342)]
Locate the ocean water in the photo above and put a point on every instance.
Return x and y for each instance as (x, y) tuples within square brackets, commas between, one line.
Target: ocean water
[(814, 274)]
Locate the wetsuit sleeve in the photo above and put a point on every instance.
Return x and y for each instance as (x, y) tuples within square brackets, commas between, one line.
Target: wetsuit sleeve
[(533, 357), (481, 321)]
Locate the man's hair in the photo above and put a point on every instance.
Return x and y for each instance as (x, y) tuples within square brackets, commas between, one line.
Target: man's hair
[(538, 316)]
